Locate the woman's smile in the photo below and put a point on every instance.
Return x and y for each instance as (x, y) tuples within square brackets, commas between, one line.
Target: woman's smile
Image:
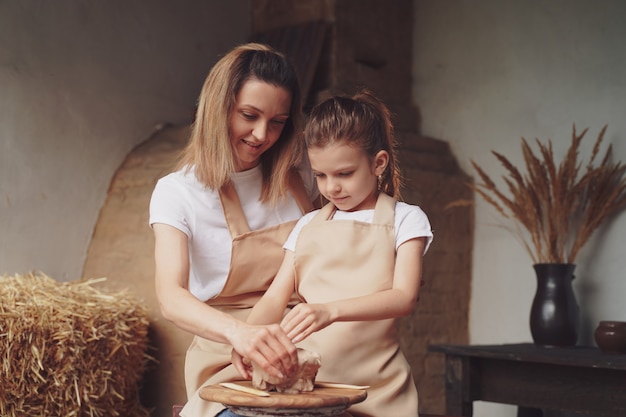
[(257, 121), (253, 145)]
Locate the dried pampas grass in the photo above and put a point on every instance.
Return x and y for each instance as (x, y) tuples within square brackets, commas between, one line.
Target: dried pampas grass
[(556, 208), (69, 349)]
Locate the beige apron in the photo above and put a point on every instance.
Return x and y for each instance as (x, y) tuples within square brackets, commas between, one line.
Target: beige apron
[(342, 259), (255, 259)]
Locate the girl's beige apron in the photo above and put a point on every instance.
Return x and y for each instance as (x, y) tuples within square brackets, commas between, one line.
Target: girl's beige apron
[(342, 259), (256, 257)]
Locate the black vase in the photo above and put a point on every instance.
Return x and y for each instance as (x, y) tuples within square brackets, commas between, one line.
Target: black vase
[(554, 316)]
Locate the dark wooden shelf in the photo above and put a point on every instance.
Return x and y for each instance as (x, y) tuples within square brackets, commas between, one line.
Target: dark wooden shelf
[(573, 379)]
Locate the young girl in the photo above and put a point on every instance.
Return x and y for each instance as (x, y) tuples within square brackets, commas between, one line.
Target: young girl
[(356, 264)]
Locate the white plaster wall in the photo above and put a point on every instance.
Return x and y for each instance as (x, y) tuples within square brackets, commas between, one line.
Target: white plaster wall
[(82, 83), (488, 72)]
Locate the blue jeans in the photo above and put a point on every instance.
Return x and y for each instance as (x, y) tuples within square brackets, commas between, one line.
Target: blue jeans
[(228, 413)]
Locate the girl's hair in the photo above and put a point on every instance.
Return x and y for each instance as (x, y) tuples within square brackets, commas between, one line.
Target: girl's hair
[(209, 151), (361, 120)]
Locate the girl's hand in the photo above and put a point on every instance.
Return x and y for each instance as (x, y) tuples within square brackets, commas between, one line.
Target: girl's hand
[(268, 346), (305, 319)]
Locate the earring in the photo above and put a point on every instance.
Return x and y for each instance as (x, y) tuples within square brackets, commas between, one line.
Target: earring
[(380, 182)]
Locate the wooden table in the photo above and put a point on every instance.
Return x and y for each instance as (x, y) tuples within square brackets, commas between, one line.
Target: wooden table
[(575, 379)]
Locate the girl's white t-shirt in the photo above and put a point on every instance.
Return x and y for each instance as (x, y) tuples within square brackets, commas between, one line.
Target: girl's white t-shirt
[(410, 222), (181, 201)]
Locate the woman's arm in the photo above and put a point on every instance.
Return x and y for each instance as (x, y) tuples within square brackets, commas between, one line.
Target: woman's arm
[(270, 308), (266, 345), (398, 301)]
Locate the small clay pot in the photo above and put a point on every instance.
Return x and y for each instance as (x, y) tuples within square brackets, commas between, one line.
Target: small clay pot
[(611, 337)]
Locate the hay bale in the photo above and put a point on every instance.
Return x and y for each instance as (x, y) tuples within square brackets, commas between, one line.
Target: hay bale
[(69, 349)]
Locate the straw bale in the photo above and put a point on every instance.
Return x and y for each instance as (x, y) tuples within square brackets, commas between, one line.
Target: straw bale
[(70, 349)]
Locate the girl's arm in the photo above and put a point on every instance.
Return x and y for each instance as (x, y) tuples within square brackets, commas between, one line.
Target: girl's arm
[(398, 301), (266, 345)]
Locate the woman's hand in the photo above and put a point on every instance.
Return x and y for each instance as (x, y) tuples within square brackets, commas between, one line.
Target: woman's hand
[(241, 364), (305, 319), (267, 346)]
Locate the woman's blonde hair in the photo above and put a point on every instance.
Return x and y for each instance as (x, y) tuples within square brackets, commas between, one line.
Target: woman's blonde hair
[(209, 151), (362, 120)]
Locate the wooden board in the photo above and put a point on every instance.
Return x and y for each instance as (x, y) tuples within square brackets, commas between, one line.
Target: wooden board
[(320, 397)]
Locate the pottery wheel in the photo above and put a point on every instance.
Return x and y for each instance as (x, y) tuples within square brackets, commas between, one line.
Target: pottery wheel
[(321, 401)]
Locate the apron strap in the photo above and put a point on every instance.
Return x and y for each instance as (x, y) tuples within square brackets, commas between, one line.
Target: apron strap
[(325, 213), (385, 210), (233, 213)]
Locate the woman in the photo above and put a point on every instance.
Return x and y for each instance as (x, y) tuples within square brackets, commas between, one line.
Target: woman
[(221, 218)]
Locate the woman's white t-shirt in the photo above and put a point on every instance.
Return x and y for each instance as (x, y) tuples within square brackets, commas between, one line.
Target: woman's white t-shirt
[(410, 222), (180, 201)]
